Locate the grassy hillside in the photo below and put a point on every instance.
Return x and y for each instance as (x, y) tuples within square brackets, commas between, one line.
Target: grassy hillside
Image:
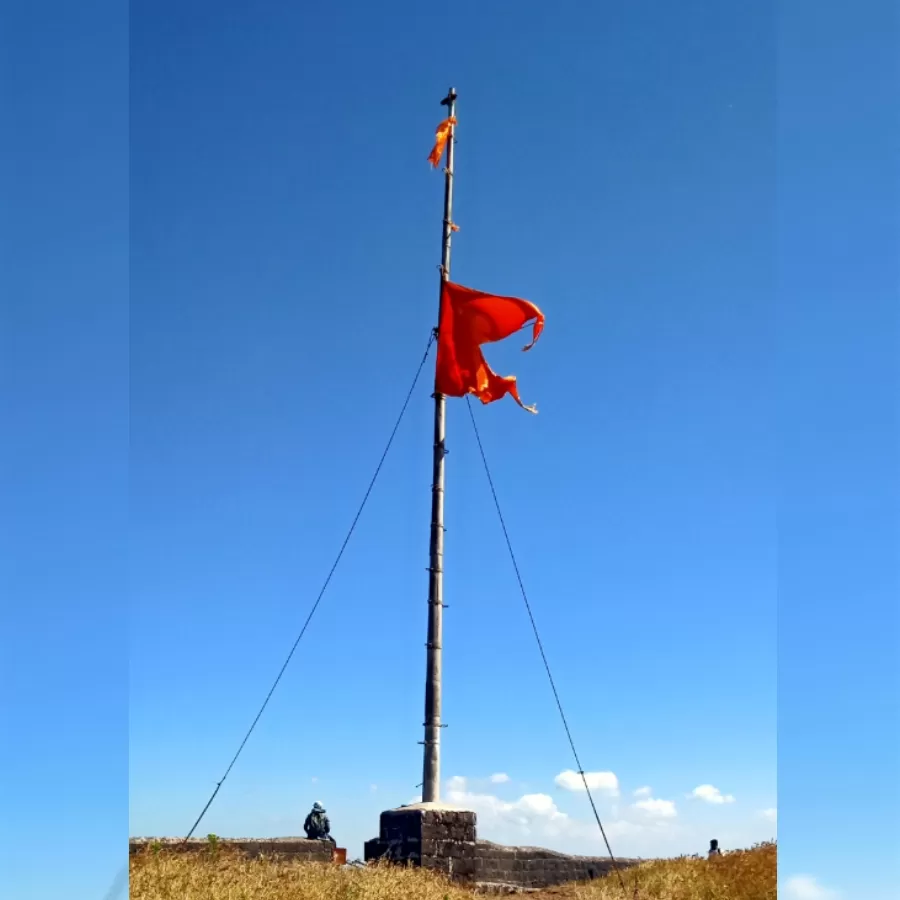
[(742, 875)]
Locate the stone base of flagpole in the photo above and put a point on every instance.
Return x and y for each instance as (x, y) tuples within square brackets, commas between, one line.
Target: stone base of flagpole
[(432, 835)]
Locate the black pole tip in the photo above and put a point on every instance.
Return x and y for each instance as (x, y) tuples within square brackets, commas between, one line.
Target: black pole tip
[(451, 96)]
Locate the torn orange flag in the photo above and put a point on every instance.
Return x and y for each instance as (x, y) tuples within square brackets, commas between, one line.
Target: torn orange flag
[(468, 320), (440, 140)]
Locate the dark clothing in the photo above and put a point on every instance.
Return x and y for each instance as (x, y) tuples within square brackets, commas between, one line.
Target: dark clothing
[(317, 826)]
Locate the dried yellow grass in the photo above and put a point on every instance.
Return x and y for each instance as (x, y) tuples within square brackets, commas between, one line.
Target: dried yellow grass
[(232, 876), (740, 875), (164, 875)]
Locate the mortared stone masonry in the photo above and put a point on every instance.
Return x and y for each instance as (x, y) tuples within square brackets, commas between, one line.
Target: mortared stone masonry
[(443, 838), (429, 835)]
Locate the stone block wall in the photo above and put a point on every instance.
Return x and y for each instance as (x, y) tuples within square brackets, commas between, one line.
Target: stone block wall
[(289, 847), (534, 867), (439, 839), (445, 840)]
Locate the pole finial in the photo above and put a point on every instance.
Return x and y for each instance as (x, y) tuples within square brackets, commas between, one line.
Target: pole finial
[(450, 99)]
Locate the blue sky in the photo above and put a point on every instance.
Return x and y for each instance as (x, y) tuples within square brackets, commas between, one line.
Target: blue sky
[(705, 510)]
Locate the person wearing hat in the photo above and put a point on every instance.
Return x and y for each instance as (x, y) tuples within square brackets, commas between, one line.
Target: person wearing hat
[(317, 826)]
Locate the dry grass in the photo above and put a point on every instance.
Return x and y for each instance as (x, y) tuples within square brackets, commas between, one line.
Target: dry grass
[(231, 876), (742, 875)]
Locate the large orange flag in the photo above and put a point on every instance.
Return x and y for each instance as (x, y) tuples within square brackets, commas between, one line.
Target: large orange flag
[(440, 140), (468, 320)]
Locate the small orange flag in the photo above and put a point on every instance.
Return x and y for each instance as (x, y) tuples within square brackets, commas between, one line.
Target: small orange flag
[(440, 140), (468, 320)]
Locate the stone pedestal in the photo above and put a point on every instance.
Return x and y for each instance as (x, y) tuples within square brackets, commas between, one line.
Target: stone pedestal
[(427, 834), (443, 838)]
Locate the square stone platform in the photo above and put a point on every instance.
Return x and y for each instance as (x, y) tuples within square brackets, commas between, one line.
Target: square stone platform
[(432, 835), (442, 837)]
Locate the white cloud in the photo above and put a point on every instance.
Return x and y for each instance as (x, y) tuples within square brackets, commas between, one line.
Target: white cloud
[(643, 792), (658, 809), (373, 788), (596, 781), (499, 778), (710, 794), (314, 780), (805, 887), (531, 813), (770, 814), (456, 783), (643, 827), (539, 805)]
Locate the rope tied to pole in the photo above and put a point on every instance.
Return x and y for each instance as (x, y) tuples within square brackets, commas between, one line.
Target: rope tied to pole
[(562, 715), (321, 594)]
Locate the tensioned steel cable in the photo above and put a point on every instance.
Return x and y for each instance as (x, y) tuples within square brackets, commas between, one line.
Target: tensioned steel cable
[(315, 606), (562, 715)]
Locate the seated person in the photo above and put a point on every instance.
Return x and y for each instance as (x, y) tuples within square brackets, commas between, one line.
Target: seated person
[(317, 826)]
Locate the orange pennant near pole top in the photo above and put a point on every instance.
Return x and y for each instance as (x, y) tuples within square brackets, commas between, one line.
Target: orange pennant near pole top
[(440, 140), (468, 320)]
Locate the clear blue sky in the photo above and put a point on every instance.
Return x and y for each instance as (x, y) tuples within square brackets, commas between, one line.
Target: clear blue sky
[(204, 354)]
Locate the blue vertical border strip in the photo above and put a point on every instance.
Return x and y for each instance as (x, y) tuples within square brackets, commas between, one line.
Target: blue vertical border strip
[(839, 423), (64, 421)]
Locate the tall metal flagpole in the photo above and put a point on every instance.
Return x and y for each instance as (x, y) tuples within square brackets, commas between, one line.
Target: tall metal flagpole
[(431, 781)]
